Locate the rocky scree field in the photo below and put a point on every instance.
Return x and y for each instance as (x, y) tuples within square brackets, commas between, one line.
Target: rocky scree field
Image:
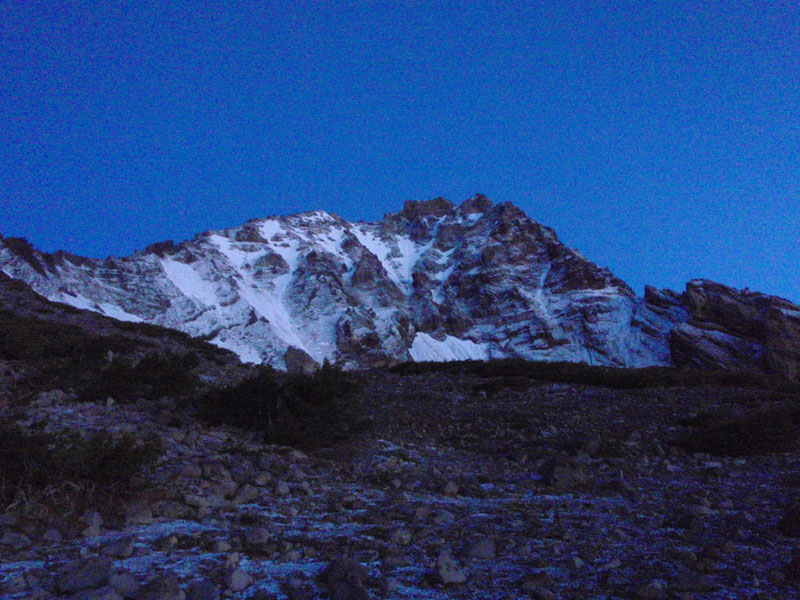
[(140, 463), (455, 483)]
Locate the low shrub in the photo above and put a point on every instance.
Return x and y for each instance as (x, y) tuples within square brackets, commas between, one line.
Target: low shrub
[(75, 357), (31, 462), (764, 430), (324, 386), (305, 411), (199, 345), (250, 404), (28, 338), (515, 370), (64, 355), (152, 377)]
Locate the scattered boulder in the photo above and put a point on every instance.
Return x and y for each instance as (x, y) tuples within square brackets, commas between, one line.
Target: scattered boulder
[(84, 574), (256, 538), (171, 509), (344, 579), (93, 522), (652, 591), (400, 537), (246, 494), (570, 476), (119, 548), (297, 587), (262, 479), (125, 584), (15, 541), (51, 398), (237, 580), (535, 590), (202, 589), (447, 570), (162, 588), (444, 518), (52, 536), (299, 361), (138, 513), (104, 593), (451, 489)]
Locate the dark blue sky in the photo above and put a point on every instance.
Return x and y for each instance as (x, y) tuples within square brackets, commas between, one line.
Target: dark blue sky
[(662, 142)]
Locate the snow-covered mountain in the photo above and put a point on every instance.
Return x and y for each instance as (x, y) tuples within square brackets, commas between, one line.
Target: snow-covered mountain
[(434, 281)]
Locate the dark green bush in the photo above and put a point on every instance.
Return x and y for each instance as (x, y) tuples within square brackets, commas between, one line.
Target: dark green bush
[(26, 338), (295, 410), (580, 373), (250, 404), (151, 378), (67, 348), (325, 385), (764, 430), (33, 461)]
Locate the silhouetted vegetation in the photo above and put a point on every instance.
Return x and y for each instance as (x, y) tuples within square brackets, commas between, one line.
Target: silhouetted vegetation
[(96, 356), (32, 339), (295, 410), (249, 404), (516, 371), (31, 462), (70, 357), (762, 430), (151, 378), (156, 332)]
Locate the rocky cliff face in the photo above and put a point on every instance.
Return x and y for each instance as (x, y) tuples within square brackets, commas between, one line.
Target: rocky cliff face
[(739, 330), (434, 281)]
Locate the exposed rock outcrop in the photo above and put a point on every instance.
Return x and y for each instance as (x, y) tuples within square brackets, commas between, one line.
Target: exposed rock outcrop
[(298, 361), (738, 330)]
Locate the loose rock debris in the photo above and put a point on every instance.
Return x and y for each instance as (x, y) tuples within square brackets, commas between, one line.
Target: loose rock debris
[(550, 492)]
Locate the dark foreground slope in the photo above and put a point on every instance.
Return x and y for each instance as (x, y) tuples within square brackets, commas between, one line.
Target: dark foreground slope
[(46, 345), (473, 481)]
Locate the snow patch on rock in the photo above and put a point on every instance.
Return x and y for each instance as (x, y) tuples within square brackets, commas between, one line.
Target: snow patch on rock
[(427, 348)]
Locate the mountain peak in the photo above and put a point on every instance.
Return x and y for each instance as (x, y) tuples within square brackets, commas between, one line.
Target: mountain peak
[(436, 207), (477, 204), (431, 282)]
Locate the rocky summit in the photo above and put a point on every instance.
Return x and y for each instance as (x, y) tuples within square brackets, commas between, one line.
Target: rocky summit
[(433, 282)]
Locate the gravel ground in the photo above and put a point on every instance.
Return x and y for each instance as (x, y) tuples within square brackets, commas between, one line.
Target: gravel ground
[(463, 488)]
